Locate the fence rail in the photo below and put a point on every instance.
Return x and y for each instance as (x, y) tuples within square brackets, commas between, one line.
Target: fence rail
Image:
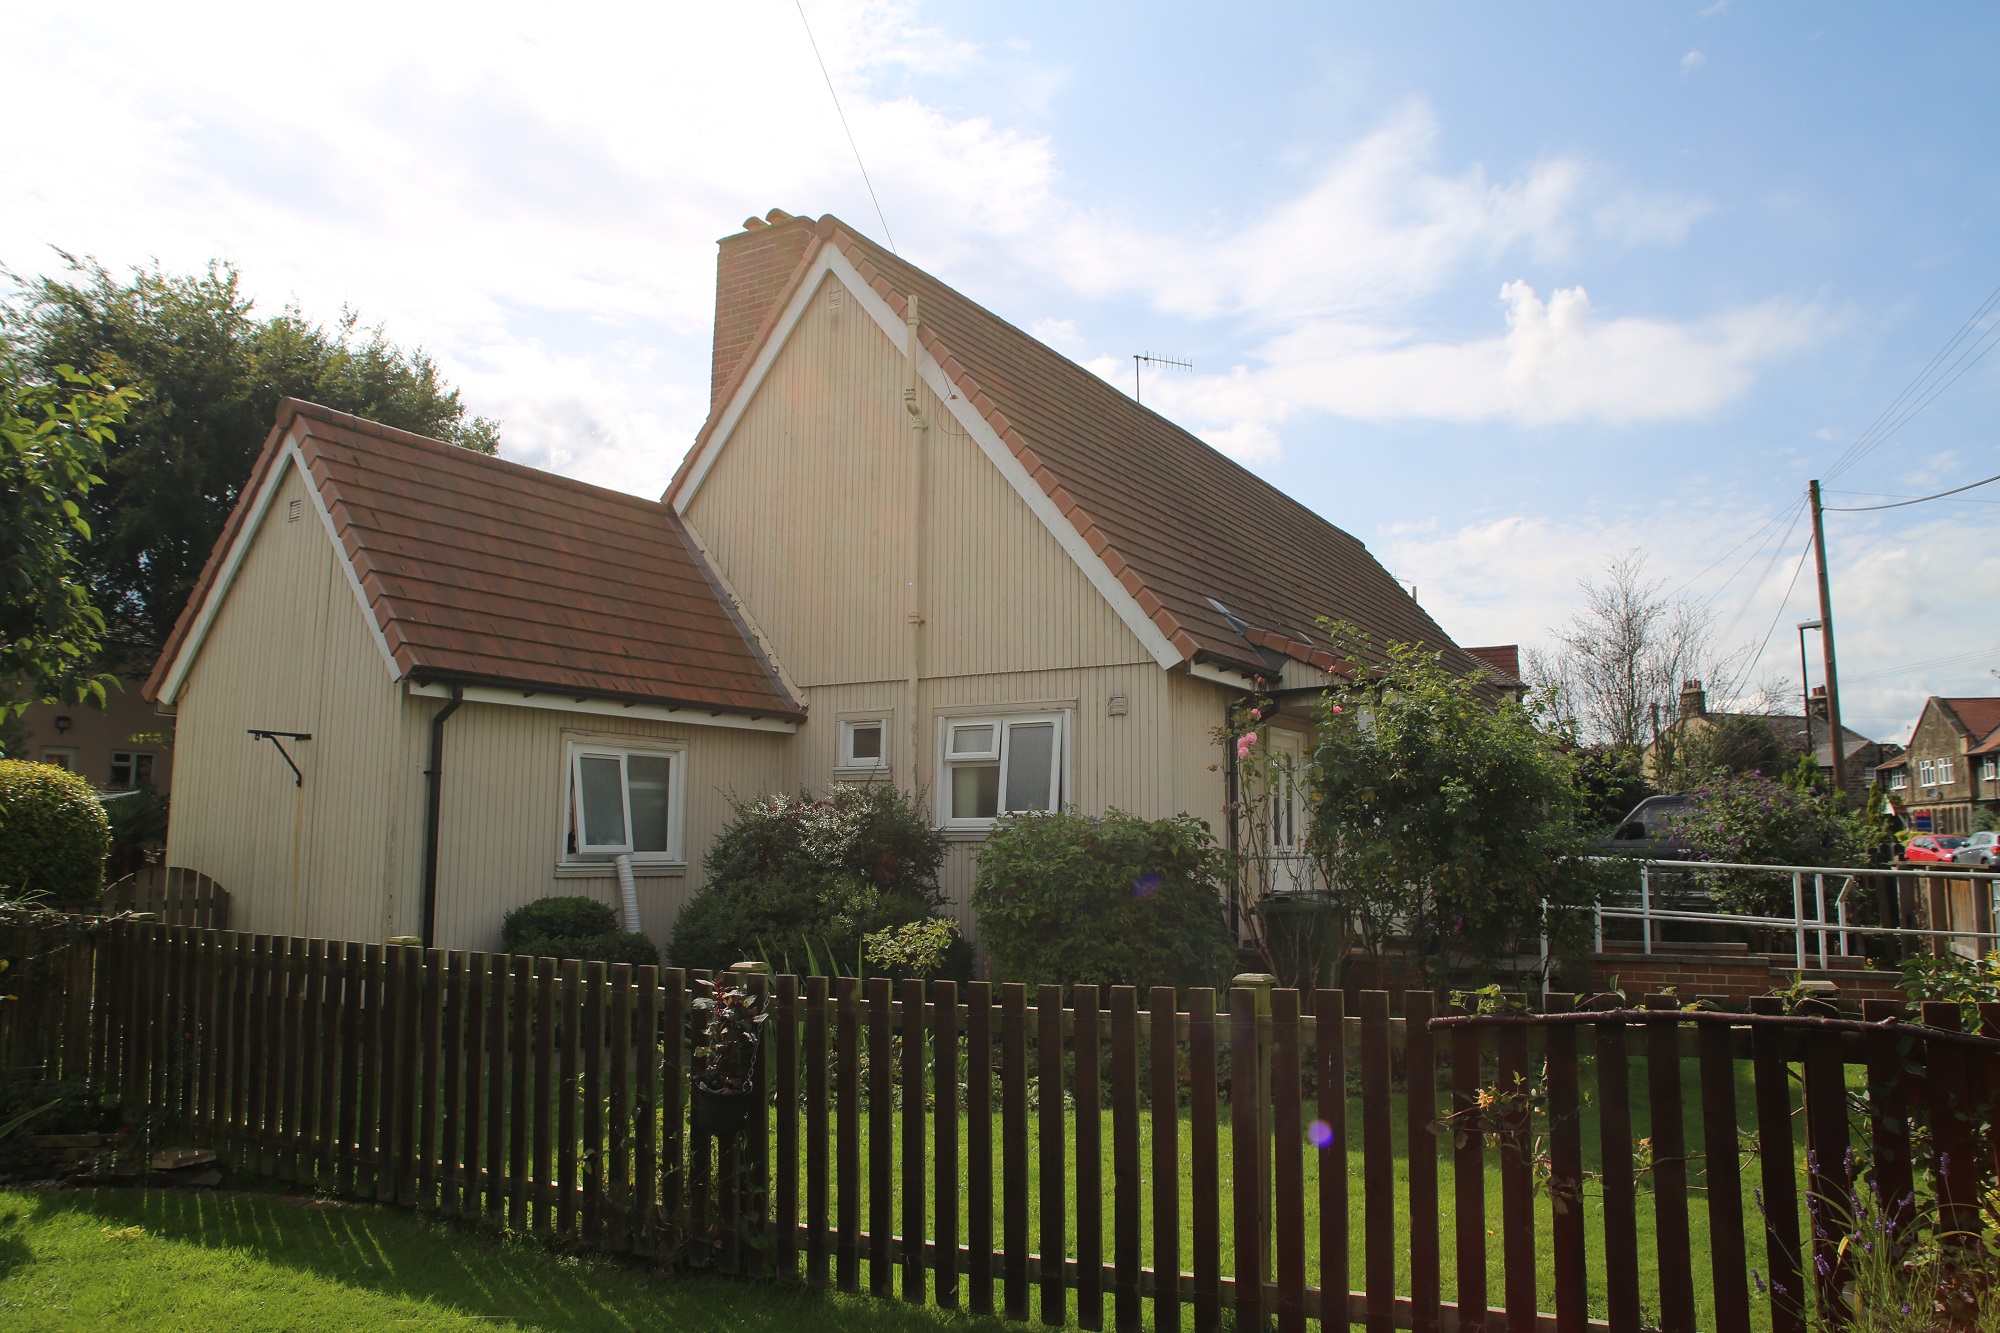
[(1106, 1156)]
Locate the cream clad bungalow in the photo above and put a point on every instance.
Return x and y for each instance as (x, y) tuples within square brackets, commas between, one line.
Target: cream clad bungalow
[(911, 544)]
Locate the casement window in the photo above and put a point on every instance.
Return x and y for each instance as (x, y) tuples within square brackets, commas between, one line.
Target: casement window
[(864, 747), (1945, 768), (1926, 773), (623, 801), (1288, 795), (1989, 769), (991, 766), (131, 768), (1899, 778)]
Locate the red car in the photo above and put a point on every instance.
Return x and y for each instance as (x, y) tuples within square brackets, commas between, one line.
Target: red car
[(1932, 847)]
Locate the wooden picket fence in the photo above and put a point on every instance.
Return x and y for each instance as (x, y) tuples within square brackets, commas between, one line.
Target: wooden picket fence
[(949, 1143)]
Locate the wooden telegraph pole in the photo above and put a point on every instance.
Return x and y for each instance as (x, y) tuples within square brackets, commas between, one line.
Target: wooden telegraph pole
[(1835, 747)]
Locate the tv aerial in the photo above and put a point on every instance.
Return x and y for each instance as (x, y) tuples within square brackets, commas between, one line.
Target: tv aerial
[(1147, 358)]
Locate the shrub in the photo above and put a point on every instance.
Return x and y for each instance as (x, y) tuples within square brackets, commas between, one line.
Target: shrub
[(1112, 900), (574, 926), (801, 881), (1749, 819), (53, 833)]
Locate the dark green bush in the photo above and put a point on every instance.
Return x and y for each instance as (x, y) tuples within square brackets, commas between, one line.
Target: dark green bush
[(1110, 901), (560, 918), (800, 881), (574, 926), (53, 833)]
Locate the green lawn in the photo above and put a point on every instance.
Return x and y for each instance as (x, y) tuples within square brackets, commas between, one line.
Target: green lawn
[(142, 1260)]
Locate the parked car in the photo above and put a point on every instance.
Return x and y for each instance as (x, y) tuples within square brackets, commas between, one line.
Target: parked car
[(1981, 849), (1648, 831), (1932, 848)]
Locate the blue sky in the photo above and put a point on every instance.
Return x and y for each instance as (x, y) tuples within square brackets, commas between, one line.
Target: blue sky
[(1502, 290)]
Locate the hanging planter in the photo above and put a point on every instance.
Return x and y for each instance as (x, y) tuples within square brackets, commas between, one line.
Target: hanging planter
[(727, 1089)]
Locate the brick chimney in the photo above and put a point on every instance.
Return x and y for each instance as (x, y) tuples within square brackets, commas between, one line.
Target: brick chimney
[(1817, 703), (751, 269), (1694, 702)]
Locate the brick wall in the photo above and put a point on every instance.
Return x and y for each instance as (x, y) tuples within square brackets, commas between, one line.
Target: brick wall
[(751, 269)]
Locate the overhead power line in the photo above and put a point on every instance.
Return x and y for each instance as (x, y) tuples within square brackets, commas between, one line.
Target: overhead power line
[(1779, 614), (1960, 353), (880, 216), (1921, 499), (1956, 659)]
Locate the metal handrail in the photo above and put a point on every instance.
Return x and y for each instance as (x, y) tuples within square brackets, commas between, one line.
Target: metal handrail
[(1798, 923)]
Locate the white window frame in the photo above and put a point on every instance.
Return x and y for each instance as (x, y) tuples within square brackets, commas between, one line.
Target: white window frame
[(1926, 773), (68, 752), (1001, 722), (132, 758), (1945, 772), (1899, 778), (1989, 768), (622, 749), (846, 764)]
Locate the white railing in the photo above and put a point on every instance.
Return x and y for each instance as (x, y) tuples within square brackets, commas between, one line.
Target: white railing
[(1799, 924)]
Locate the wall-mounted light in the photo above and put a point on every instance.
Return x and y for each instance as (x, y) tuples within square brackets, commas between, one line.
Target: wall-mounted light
[(62, 723)]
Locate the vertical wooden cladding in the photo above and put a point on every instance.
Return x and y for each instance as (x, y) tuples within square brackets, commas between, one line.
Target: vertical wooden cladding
[(503, 803), (291, 649), (815, 477)]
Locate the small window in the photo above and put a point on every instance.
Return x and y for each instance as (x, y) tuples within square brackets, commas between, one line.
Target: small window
[(1989, 768), (864, 744), (1898, 779), (131, 768), (1005, 765), (64, 759), (623, 802)]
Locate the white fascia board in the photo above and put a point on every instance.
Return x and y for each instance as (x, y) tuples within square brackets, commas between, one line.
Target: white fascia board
[(288, 458), (569, 703), (1235, 680), (830, 259)]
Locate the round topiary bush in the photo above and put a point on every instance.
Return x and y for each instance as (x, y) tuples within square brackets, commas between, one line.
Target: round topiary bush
[(803, 881), (53, 834), (573, 926), (1111, 900)]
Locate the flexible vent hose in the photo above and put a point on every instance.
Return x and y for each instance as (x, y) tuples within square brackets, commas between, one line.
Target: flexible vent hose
[(630, 892)]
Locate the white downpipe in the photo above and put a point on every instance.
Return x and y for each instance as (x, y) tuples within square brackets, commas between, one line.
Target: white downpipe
[(628, 891)]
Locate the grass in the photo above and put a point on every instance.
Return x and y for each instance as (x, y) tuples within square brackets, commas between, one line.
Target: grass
[(142, 1260)]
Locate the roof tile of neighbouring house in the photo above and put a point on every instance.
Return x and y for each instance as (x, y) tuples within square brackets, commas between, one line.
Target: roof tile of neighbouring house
[(1175, 521), (1978, 715), (488, 572)]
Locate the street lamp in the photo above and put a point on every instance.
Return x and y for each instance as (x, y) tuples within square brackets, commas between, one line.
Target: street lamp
[(1805, 690)]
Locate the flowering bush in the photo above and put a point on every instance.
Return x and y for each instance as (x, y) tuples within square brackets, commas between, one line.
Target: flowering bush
[(1751, 819)]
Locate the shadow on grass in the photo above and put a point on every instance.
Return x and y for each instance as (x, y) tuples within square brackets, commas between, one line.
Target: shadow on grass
[(396, 1263)]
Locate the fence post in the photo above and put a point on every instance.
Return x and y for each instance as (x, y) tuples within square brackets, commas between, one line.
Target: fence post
[(1799, 917), (1259, 985), (1646, 908)]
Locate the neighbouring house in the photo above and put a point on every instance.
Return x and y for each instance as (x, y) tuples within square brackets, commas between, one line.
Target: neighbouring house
[(122, 746), (911, 544), (1793, 732), (1951, 769)]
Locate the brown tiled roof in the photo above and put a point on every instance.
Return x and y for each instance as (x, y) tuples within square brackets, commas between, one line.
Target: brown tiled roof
[(487, 572), (1177, 523), (1503, 658), (1978, 716)]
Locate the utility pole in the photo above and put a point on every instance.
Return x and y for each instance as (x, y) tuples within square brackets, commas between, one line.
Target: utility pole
[(1836, 749)]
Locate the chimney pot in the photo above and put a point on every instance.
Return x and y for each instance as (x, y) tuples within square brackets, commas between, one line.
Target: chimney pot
[(777, 215), (753, 222)]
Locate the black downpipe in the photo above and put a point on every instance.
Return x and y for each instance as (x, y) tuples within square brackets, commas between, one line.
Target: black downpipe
[(434, 811)]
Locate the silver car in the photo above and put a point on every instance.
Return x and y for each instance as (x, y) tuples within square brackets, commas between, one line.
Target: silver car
[(1981, 849)]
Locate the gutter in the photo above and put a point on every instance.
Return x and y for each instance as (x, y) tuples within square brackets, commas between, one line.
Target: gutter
[(433, 811)]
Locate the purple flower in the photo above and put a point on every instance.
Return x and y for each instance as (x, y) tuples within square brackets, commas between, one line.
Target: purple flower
[(1320, 1134), (1146, 887)]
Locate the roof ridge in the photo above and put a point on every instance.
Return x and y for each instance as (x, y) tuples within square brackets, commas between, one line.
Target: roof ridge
[(445, 450)]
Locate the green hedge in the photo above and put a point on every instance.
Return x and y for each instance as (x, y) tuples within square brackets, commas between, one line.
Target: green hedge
[(573, 926), (801, 881), (1109, 901), (53, 833)]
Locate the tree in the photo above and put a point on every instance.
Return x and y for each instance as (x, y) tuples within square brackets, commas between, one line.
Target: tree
[(211, 372), (53, 433), (1625, 654), (1447, 824)]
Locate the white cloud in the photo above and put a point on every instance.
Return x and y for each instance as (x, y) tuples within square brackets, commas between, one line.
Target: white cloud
[(1693, 61), (1898, 591)]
